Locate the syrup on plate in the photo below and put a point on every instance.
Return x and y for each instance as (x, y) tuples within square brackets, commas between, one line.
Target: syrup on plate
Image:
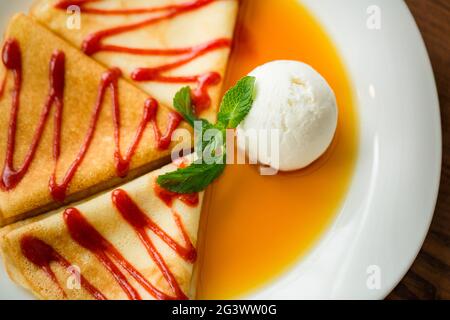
[(255, 227)]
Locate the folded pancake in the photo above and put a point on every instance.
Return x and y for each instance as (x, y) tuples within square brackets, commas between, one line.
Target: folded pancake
[(160, 45), (68, 126), (136, 242)]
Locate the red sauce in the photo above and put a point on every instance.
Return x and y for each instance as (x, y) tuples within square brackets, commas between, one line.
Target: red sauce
[(42, 255), (13, 62), (88, 237), (141, 222), (163, 140), (3, 84), (82, 232), (93, 44), (168, 197), (11, 176), (63, 4)]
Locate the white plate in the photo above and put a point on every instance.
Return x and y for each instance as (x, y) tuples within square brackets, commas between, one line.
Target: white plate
[(389, 207)]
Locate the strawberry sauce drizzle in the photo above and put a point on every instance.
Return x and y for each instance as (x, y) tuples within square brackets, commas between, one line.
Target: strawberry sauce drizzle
[(88, 237), (11, 177), (93, 44), (64, 4), (141, 222), (82, 232), (162, 139), (13, 62), (42, 255), (3, 84), (168, 197)]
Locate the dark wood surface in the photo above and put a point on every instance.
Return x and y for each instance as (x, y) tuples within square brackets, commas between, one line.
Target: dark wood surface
[(429, 277)]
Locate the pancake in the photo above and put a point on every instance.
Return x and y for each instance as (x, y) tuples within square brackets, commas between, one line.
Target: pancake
[(42, 169), (159, 34), (56, 257)]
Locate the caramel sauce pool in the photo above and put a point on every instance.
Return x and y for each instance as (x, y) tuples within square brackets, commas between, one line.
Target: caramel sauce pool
[(255, 227)]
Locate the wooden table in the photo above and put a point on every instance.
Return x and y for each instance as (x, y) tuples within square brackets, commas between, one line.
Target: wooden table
[(429, 277)]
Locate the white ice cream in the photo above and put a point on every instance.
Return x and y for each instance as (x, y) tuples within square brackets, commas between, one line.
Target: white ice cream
[(296, 100)]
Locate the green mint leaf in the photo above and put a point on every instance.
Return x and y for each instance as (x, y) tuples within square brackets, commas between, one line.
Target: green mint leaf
[(237, 103), (194, 178), (235, 106), (183, 104)]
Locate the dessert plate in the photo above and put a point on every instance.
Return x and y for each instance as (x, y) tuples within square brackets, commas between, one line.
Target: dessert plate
[(388, 209)]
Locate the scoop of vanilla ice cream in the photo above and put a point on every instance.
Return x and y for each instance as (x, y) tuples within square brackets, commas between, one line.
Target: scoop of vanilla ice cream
[(296, 100)]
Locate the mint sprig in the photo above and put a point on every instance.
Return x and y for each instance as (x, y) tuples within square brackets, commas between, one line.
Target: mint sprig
[(235, 106), (194, 178)]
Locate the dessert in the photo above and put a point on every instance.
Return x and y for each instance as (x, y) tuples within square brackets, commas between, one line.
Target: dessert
[(139, 240), (294, 101), (70, 126), (159, 45), (136, 242)]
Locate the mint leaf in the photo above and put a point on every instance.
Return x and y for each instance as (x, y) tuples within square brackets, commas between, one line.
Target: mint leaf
[(194, 178), (183, 104), (235, 106), (237, 103)]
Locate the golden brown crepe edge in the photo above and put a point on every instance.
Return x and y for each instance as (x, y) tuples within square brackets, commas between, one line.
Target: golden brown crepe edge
[(209, 114), (101, 186)]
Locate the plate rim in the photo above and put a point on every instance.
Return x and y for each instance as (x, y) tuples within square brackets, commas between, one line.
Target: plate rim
[(22, 294)]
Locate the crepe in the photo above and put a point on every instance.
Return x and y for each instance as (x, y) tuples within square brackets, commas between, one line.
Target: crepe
[(98, 169), (101, 214), (207, 22)]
